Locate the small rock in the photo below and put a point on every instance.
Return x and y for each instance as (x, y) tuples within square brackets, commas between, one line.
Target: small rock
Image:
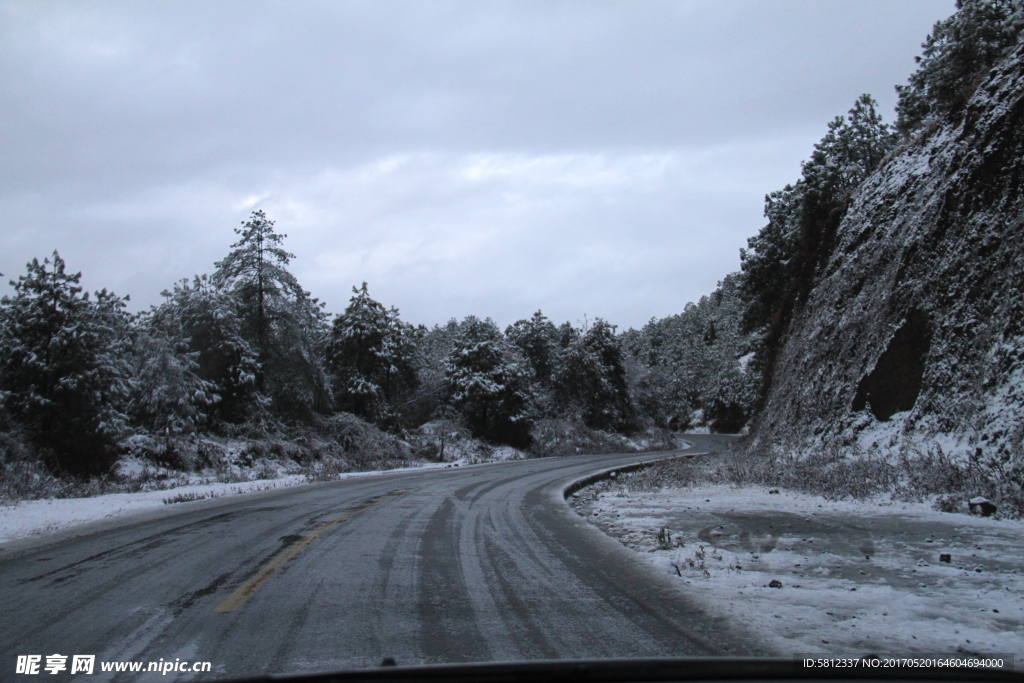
[(613, 475), (979, 505), (775, 583), (979, 569), (773, 491), (922, 563), (945, 557)]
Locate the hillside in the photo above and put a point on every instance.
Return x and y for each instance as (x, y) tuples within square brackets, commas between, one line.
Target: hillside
[(912, 335)]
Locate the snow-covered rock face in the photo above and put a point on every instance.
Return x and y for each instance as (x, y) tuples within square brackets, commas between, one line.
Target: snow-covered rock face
[(915, 329)]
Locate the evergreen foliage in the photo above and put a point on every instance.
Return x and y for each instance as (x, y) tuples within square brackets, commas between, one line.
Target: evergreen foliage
[(205, 326), (955, 58), (538, 339), (283, 323), (167, 394), (784, 259), (489, 382), (591, 376), (698, 360), (371, 354), (63, 369)]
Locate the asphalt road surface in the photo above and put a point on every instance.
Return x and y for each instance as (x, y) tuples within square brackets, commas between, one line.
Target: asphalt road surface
[(479, 563)]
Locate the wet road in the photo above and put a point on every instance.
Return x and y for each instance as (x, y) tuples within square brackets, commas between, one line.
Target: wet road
[(481, 563)]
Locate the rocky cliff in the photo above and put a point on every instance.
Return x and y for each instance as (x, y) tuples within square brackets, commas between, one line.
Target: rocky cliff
[(913, 333)]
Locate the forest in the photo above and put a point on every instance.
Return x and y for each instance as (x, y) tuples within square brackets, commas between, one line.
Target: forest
[(244, 367)]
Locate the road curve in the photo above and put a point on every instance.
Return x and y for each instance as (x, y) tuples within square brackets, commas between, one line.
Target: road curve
[(480, 563)]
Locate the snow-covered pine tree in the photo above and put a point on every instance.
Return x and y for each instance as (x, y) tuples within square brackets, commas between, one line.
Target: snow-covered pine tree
[(63, 370), (786, 256), (848, 153), (431, 348), (769, 264), (168, 397), (206, 325), (371, 354), (537, 338), (489, 382), (955, 58), (591, 377), (283, 322), (731, 380), (696, 360), (651, 385)]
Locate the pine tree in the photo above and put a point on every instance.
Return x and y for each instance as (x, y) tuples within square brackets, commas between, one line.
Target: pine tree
[(489, 382), (591, 377), (205, 324), (692, 361), (537, 338), (955, 57), (286, 326), (431, 350), (63, 369), (789, 253), (850, 151), (167, 395), (371, 355)]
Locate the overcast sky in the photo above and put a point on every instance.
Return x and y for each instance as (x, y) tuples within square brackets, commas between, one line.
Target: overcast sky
[(598, 159)]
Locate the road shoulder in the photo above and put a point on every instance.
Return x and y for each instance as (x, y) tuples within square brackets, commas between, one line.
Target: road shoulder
[(849, 577)]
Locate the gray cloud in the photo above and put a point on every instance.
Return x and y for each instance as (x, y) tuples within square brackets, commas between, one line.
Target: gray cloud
[(587, 158)]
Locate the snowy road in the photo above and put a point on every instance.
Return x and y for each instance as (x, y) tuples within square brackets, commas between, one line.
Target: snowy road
[(470, 564)]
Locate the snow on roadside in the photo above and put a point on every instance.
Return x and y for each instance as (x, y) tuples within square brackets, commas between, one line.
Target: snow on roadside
[(36, 517), (852, 577)]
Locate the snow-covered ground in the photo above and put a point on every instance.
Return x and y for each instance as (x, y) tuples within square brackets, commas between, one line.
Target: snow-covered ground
[(854, 577), (35, 517)]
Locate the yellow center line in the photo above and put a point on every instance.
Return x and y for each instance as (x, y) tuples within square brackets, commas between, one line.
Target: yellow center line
[(242, 593)]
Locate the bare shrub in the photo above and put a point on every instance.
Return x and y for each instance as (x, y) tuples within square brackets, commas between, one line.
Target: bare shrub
[(365, 445), (187, 497), (837, 474), (443, 440), (327, 470), (26, 479), (560, 436)]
